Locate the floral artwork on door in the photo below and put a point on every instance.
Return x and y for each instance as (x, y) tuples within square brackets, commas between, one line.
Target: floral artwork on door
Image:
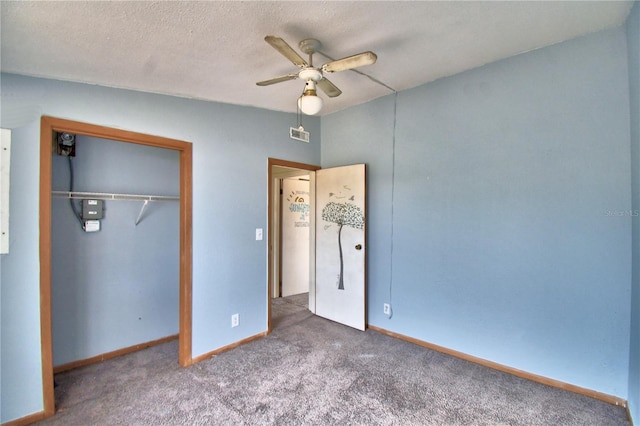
[(341, 244), (341, 214)]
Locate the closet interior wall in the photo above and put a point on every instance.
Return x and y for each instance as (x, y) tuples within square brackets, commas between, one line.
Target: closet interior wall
[(118, 287)]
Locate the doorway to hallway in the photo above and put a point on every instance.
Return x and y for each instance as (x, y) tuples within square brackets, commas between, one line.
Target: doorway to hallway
[(290, 237), (337, 239)]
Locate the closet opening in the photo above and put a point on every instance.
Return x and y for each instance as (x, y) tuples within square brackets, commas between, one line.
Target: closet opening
[(101, 241)]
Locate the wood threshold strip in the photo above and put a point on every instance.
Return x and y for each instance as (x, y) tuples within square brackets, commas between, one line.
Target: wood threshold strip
[(229, 347), (113, 354), (506, 369)]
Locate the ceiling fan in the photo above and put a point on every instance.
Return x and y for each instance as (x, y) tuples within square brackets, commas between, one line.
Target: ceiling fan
[(309, 103)]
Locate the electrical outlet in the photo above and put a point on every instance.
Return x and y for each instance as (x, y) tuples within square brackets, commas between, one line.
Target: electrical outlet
[(386, 309), (235, 320)]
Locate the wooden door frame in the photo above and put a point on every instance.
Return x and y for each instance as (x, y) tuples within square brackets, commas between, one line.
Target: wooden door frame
[(48, 126), (271, 234)]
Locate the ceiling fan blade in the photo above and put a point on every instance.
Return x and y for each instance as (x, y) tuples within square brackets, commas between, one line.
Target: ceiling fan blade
[(277, 80), (328, 87), (359, 60), (287, 51)]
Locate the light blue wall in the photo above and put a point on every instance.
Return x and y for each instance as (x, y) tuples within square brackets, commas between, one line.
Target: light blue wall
[(117, 287), (20, 371), (502, 241), (364, 134), (231, 145), (504, 176), (633, 41)]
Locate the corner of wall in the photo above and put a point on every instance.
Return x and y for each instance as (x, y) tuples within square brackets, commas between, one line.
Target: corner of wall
[(633, 46)]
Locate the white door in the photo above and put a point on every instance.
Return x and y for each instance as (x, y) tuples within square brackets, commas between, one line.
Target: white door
[(340, 245), (295, 236)]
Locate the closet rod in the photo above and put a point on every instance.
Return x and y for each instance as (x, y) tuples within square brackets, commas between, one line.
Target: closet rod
[(116, 197)]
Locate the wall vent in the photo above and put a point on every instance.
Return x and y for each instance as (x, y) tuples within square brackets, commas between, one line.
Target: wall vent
[(299, 134)]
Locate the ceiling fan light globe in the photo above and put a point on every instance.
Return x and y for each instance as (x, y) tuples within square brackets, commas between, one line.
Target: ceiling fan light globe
[(310, 104)]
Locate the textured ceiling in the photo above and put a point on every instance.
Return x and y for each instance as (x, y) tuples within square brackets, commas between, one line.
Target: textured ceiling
[(215, 50)]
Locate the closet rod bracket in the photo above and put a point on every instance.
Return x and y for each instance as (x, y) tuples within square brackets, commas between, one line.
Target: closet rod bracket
[(144, 206)]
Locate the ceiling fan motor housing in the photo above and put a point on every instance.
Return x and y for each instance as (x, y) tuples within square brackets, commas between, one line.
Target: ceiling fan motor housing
[(309, 73)]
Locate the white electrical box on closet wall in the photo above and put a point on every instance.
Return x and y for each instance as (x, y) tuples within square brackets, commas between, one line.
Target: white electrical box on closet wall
[(5, 161)]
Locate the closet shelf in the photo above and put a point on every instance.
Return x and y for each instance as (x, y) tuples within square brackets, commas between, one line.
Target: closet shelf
[(116, 197)]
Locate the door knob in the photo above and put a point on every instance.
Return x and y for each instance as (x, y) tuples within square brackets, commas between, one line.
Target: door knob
[(359, 247)]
